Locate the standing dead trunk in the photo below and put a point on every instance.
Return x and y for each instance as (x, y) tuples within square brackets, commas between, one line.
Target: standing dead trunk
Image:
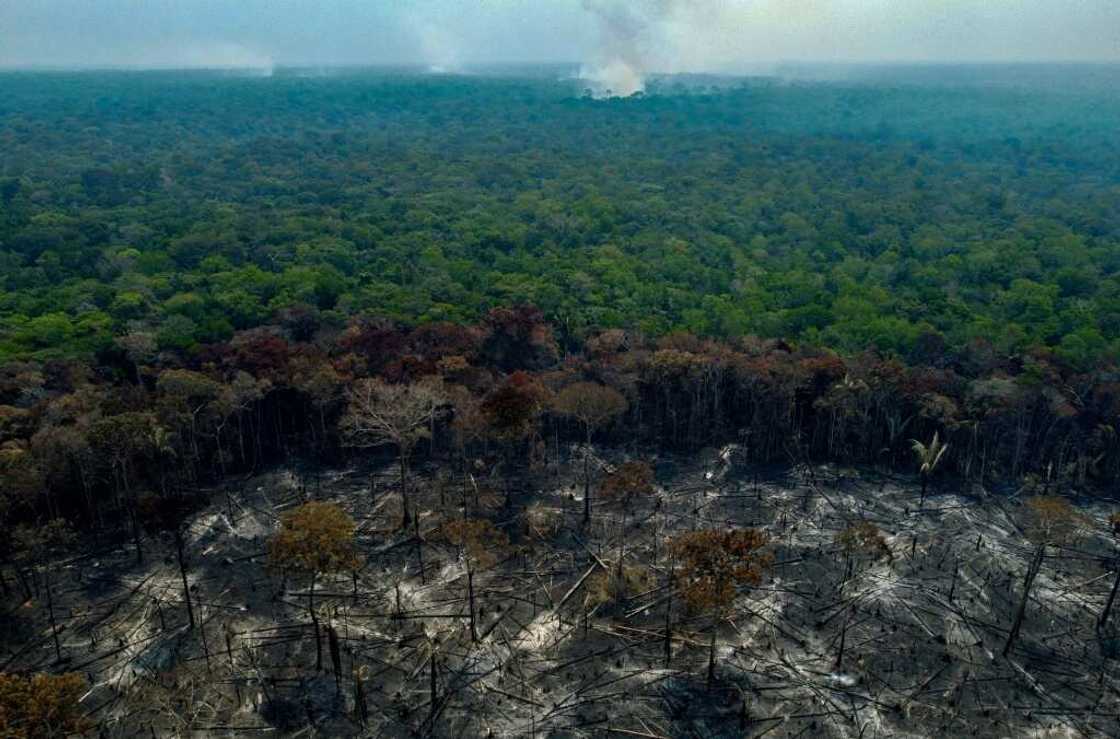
[(1032, 572), (183, 574), (315, 624), (336, 656), (134, 522), (587, 478), (712, 658), (470, 602), (406, 514), (1108, 604), (419, 550), (432, 684), (843, 642), (669, 623), (50, 612), (360, 698)]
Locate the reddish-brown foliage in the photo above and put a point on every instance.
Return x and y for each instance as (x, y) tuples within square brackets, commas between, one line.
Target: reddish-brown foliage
[(714, 563)]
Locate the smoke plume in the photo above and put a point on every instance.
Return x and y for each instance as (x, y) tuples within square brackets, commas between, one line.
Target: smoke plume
[(629, 31), (639, 37)]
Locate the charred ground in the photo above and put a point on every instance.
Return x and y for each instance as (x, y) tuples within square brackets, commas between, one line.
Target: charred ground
[(895, 641)]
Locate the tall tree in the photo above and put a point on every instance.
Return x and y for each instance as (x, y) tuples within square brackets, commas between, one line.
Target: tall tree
[(479, 542), (317, 538), (1050, 521), (712, 565), (929, 456), (1114, 527), (593, 406), (170, 515), (401, 415), (628, 482), (124, 439), (39, 545)]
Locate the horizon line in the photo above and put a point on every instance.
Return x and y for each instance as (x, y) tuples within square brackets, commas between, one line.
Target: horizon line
[(411, 65)]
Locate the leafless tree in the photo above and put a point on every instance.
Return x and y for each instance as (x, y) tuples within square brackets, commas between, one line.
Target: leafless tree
[(401, 415), (1051, 520), (593, 405)]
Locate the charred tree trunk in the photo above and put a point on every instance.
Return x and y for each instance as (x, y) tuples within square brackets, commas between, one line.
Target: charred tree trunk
[(336, 656), (843, 642), (50, 613), (179, 546), (669, 624), (587, 478), (406, 514), (134, 524), (1032, 572), (360, 698), (1108, 604), (315, 624), (470, 603), (432, 685), (712, 658)]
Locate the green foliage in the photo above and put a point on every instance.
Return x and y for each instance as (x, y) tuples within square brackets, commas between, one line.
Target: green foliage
[(189, 205)]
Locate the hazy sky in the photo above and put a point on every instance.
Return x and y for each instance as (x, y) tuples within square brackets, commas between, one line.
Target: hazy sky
[(655, 35)]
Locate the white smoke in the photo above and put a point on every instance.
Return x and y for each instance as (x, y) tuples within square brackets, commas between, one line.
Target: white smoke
[(437, 33), (641, 37), (629, 39)]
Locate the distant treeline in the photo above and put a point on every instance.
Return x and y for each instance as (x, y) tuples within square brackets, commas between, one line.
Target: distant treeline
[(179, 209), (93, 441)]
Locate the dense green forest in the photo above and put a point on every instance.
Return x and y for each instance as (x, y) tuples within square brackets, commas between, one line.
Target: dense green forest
[(911, 214)]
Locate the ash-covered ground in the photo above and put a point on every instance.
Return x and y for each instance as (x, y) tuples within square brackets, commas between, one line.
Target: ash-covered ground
[(904, 644)]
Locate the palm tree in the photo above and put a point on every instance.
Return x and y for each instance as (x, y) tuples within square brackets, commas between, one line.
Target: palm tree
[(928, 459)]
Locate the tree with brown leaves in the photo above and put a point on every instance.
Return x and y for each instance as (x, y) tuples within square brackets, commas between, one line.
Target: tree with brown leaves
[(479, 542), (1050, 521), (628, 482), (861, 540), (401, 415), (593, 406), (42, 707), (316, 538), (712, 565)]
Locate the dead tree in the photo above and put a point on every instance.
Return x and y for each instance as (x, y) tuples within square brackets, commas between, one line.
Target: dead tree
[(593, 405), (168, 515), (38, 544), (479, 544), (713, 564), (1052, 520), (401, 415), (861, 540), (42, 705), (1114, 525), (629, 482)]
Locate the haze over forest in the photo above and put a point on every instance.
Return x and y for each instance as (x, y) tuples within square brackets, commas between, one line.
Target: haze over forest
[(559, 369), (659, 35)]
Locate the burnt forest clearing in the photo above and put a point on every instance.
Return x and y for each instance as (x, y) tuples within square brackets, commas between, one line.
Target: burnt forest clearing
[(391, 403)]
